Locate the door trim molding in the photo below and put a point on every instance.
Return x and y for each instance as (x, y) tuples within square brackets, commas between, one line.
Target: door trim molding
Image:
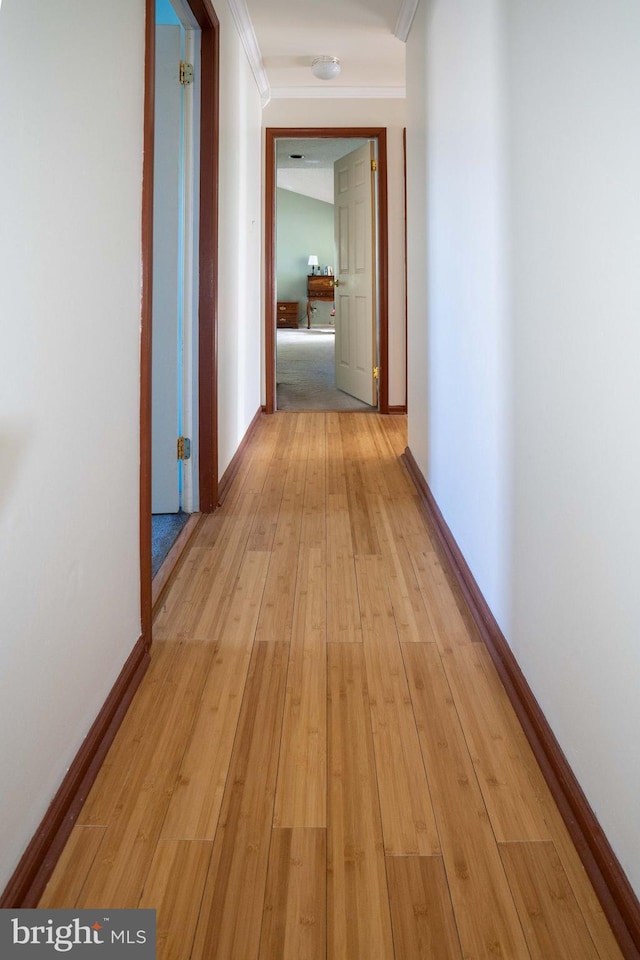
[(207, 284), (146, 322), (208, 253), (303, 133)]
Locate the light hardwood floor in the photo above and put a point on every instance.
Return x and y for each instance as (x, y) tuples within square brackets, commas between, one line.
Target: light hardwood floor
[(321, 760)]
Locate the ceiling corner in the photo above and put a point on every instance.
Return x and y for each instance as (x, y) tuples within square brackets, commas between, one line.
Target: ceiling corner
[(249, 41), (405, 18)]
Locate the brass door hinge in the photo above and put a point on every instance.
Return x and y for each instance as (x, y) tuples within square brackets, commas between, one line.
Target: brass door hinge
[(374, 165), (186, 73), (184, 448), (376, 373)]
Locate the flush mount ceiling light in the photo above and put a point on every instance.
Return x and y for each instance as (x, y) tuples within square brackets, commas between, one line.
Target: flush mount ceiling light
[(325, 68)]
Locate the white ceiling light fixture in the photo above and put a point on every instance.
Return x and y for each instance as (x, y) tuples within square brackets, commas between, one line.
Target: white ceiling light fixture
[(325, 68)]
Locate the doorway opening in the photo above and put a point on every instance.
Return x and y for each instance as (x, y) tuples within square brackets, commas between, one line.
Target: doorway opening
[(174, 493), (288, 269), (198, 197), (306, 257)]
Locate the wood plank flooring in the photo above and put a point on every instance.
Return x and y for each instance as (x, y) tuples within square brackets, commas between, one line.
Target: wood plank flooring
[(321, 761)]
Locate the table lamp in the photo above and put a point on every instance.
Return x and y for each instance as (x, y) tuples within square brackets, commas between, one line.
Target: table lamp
[(313, 263)]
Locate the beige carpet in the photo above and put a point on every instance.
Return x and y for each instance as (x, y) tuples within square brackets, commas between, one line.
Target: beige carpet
[(305, 372)]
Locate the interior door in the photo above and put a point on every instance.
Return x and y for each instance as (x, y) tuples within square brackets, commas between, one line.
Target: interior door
[(356, 308), (166, 367)]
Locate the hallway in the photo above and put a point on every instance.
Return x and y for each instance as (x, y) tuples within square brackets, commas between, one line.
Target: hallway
[(321, 760)]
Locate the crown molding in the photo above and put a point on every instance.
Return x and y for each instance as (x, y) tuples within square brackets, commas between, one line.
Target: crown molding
[(249, 41), (405, 18), (338, 93)]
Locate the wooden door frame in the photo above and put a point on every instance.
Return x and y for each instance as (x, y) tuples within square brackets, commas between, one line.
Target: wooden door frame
[(209, 25), (307, 133)]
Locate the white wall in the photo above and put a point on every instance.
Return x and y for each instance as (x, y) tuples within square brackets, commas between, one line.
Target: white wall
[(304, 225), (367, 113), (417, 261), (461, 405), (525, 215), (240, 223), (574, 122), (71, 106)]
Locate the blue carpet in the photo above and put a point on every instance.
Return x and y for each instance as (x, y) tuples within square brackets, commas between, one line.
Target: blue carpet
[(165, 527)]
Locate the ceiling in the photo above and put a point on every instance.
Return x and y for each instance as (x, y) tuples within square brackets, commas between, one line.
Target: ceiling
[(281, 38), (306, 165), (318, 153)]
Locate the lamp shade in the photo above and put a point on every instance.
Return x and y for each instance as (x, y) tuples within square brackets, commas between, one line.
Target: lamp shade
[(325, 68), (312, 261)]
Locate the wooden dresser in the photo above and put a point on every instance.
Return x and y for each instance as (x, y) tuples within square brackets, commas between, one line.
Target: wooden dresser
[(287, 313), (319, 288)]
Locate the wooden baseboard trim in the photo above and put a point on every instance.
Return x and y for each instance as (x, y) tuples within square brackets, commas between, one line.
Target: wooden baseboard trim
[(171, 561), (609, 880), (397, 410), (229, 474), (39, 859)]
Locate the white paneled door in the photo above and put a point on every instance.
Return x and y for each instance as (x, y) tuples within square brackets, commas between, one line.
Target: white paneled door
[(355, 323)]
